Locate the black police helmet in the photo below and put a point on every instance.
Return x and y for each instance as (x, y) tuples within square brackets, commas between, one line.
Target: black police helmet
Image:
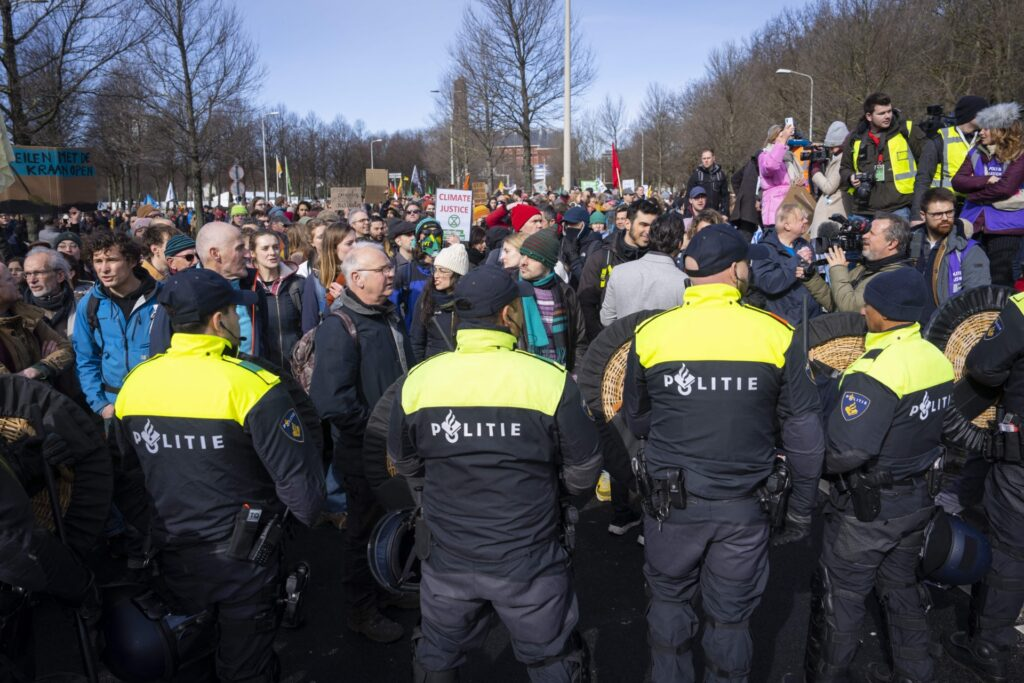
[(144, 641), (954, 552), (392, 552)]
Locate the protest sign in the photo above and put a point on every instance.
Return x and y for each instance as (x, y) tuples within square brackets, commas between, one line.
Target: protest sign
[(376, 185), (346, 197), (454, 211), (50, 178), (480, 193)]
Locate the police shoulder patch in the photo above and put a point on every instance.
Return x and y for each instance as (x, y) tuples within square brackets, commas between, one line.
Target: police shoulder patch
[(995, 328), (854, 405), (291, 425)]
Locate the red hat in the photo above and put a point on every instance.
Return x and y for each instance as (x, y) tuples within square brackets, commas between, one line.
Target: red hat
[(521, 214)]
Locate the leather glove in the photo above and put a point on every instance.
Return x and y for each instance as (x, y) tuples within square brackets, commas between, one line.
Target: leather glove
[(797, 528)]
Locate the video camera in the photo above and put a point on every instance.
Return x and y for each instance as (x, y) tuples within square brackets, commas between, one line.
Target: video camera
[(840, 231), (935, 119), (816, 154)]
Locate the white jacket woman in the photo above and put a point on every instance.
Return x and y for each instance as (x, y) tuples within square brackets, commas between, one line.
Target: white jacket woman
[(832, 199)]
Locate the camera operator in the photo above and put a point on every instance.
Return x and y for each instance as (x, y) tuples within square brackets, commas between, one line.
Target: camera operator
[(879, 165), (884, 249), (949, 261), (828, 179), (950, 144)]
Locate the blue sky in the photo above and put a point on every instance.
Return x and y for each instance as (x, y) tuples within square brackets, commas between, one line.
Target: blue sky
[(377, 60)]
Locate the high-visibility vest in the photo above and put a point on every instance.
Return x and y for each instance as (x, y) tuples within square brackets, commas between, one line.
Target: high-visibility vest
[(901, 158), (954, 151)]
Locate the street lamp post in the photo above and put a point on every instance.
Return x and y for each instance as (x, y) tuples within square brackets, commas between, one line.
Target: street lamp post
[(641, 158), (451, 140), (372, 143), (263, 128), (567, 109), (810, 123)]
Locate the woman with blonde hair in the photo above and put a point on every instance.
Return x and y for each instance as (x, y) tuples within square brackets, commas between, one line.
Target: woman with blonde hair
[(778, 170), (326, 281), (992, 177), (510, 255)]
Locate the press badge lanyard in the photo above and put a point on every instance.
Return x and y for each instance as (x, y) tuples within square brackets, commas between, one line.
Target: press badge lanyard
[(880, 165)]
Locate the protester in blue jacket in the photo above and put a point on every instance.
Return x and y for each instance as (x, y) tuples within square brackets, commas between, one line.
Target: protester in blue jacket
[(782, 265), (113, 320)]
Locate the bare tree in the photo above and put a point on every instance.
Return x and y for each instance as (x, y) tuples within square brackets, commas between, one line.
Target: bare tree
[(53, 52), (526, 42), (611, 117), (201, 65)]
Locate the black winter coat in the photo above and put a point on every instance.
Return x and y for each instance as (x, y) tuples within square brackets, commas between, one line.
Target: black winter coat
[(715, 185), (351, 376), (437, 334), (284, 316)]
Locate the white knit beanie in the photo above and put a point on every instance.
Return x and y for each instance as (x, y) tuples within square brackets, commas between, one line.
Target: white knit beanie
[(454, 258)]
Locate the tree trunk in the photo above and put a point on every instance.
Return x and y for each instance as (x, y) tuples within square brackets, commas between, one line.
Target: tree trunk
[(19, 121)]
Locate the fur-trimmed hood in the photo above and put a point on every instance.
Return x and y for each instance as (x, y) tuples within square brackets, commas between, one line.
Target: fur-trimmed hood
[(1000, 115)]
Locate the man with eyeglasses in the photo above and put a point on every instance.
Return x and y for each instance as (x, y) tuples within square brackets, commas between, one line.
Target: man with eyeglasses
[(48, 276), (360, 222), (413, 212), (942, 252), (180, 253), (360, 349)]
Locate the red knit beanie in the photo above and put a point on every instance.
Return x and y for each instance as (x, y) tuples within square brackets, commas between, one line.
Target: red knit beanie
[(521, 214)]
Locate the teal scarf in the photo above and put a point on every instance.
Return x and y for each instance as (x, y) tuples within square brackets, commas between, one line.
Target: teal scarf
[(537, 339)]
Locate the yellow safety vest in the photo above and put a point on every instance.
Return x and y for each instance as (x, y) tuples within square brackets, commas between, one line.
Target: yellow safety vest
[(954, 151), (904, 168)]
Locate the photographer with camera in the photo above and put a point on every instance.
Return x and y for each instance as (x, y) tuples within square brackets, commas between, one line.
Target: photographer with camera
[(884, 244), (879, 166), (828, 179)]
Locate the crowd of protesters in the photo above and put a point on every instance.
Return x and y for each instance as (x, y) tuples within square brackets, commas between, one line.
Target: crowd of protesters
[(80, 303)]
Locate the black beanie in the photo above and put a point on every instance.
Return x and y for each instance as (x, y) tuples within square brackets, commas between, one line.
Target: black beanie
[(967, 107), (899, 295)]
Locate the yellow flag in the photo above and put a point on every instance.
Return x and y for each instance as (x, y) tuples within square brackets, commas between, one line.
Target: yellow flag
[(501, 185), (279, 169)]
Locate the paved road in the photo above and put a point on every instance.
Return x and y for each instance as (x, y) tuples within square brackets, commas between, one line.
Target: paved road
[(612, 602)]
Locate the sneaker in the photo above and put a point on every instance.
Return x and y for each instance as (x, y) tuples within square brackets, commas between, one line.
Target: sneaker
[(375, 626), (982, 659), (621, 523)]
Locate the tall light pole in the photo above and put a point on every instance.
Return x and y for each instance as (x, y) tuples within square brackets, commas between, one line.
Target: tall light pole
[(263, 128), (451, 139), (372, 143), (641, 158), (810, 123), (567, 111)]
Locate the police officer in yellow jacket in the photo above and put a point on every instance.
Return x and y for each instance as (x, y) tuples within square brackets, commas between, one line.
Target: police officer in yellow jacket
[(998, 361), (226, 459), (708, 384), (494, 438), (884, 436)]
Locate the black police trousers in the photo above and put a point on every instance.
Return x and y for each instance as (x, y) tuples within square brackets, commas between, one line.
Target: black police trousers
[(996, 602), (532, 594), (860, 556), (720, 547), (360, 590), (242, 596)]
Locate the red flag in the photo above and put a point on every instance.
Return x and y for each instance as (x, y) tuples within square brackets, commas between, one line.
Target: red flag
[(616, 169)]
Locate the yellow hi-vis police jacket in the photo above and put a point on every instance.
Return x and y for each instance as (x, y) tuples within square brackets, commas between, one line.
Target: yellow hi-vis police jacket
[(708, 382), (892, 403), (496, 433), (213, 432)]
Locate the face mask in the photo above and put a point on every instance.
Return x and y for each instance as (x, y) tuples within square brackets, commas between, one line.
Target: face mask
[(430, 244)]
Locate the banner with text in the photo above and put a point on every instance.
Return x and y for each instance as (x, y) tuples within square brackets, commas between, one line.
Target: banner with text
[(50, 178)]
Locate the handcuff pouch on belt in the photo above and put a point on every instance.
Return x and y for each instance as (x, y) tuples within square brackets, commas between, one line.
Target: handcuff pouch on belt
[(865, 489), (1004, 442), (773, 496), (253, 538), (933, 476), (658, 496)]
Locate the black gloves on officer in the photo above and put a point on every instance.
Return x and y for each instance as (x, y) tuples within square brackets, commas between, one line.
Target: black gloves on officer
[(797, 528)]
